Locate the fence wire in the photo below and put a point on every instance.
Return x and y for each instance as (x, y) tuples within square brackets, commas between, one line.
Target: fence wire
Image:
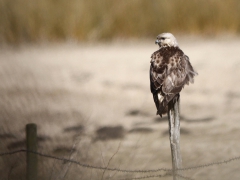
[(168, 171), (158, 176)]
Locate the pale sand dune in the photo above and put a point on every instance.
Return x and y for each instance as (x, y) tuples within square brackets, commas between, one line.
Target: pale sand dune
[(68, 85)]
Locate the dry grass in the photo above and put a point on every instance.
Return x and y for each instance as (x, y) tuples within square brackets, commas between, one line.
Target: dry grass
[(34, 20)]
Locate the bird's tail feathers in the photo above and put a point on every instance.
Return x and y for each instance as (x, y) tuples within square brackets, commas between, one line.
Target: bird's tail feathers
[(165, 105), (162, 108)]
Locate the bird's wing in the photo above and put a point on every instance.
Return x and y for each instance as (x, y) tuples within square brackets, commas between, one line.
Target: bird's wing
[(155, 85), (158, 71), (158, 74), (179, 73)]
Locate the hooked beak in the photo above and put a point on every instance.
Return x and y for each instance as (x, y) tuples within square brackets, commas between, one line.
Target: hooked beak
[(157, 41)]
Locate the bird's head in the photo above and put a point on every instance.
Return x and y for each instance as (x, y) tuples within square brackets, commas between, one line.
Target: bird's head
[(166, 40)]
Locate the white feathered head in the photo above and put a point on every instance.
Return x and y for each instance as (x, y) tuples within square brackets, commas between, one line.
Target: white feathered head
[(166, 40)]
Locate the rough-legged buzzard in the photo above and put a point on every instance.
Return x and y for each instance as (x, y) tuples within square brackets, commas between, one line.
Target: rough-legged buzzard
[(170, 70)]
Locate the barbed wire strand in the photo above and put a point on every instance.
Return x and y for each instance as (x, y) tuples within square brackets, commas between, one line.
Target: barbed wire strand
[(95, 167), (146, 177), (121, 170), (159, 176), (210, 164), (84, 165)]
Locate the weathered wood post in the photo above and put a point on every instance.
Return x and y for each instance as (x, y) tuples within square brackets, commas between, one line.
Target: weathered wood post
[(31, 140), (174, 135)]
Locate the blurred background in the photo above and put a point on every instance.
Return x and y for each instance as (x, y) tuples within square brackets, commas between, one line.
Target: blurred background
[(80, 71), (51, 20)]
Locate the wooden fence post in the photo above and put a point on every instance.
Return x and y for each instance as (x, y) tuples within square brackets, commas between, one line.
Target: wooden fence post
[(174, 136), (31, 140)]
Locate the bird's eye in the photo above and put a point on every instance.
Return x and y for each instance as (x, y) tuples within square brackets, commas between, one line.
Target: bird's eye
[(162, 38)]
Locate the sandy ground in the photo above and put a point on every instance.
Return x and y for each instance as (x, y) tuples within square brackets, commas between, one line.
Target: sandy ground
[(92, 102)]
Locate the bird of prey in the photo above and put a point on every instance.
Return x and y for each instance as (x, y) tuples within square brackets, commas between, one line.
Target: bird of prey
[(170, 70)]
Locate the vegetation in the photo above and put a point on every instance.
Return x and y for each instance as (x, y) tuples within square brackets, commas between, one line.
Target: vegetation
[(37, 20)]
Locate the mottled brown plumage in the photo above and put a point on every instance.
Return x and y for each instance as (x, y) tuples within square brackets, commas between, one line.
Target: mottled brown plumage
[(170, 70)]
